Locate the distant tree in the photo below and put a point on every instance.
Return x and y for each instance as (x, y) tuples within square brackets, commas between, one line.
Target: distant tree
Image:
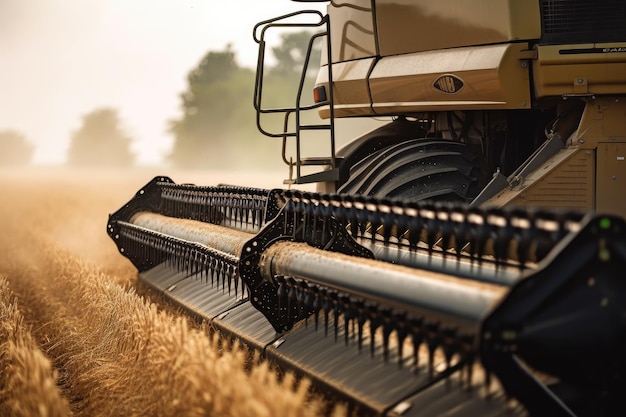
[(290, 54), (217, 113), (14, 149), (100, 141), (217, 128)]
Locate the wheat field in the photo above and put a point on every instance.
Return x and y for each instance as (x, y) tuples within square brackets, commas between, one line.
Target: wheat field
[(80, 337)]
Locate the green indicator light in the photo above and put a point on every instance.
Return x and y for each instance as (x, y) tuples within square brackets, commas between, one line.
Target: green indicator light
[(605, 223)]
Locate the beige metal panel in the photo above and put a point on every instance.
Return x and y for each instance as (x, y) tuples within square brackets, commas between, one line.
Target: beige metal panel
[(582, 69), (351, 92), (492, 77), (352, 29), (604, 120), (406, 26), (564, 181), (611, 178)]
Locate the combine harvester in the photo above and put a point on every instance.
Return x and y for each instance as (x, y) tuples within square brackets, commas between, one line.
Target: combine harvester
[(410, 283)]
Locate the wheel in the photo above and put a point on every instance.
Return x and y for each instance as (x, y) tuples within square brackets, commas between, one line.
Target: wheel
[(419, 169)]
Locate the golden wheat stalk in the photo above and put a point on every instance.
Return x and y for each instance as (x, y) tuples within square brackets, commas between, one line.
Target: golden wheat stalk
[(27, 382), (119, 355), (116, 352)]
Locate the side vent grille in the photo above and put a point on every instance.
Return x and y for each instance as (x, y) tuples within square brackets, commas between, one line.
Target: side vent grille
[(583, 21)]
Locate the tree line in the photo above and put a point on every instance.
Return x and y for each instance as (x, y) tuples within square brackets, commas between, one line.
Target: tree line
[(216, 127)]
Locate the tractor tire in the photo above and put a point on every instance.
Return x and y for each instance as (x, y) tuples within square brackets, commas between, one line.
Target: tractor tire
[(419, 169)]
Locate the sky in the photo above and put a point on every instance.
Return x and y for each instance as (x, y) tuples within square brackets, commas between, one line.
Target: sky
[(62, 59)]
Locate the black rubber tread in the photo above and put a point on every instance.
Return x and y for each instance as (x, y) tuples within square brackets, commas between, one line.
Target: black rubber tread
[(419, 169)]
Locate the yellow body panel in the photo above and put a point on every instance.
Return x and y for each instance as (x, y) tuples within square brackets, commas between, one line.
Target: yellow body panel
[(352, 30), (492, 77), (406, 26), (611, 177), (350, 88), (565, 181), (604, 120), (582, 69)]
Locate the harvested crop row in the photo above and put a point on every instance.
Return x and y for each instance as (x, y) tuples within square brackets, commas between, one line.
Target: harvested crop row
[(115, 353), (27, 382)]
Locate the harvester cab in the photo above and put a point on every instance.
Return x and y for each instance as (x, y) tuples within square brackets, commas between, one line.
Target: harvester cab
[(494, 103), (465, 258)]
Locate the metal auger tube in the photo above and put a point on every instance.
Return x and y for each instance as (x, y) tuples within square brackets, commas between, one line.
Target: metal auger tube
[(463, 303), (220, 238)]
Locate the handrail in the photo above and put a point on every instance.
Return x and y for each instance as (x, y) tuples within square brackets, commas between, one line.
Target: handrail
[(259, 35)]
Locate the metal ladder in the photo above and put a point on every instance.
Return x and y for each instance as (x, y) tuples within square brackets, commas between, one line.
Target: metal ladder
[(329, 163)]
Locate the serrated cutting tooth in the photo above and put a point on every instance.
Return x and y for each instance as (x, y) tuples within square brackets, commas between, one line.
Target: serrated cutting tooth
[(401, 332), (387, 326), (349, 314), (306, 221), (254, 213), (186, 260), (446, 229), (361, 319), (300, 295), (338, 209), (196, 261), (212, 270), (433, 340), (374, 322), (229, 276), (461, 233), (430, 225), (468, 355), (309, 304), (299, 215), (292, 299), (327, 305), (415, 226), (449, 344), (245, 212), (373, 219), (387, 220), (204, 273), (317, 305), (503, 238), (235, 277), (281, 292), (361, 214), (289, 215), (221, 274)]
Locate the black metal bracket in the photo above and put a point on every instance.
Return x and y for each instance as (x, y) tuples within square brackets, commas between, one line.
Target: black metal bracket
[(148, 198), (324, 233), (207, 204), (567, 320)]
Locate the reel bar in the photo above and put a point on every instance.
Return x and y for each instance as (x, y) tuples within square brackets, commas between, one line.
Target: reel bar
[(455, 302), (220, 238), (148, 249), (463, 267), (236, 207), (502, 237)]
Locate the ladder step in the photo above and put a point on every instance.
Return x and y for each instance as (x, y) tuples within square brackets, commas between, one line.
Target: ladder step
[(314, 160), (324, 176), (315, 127)]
